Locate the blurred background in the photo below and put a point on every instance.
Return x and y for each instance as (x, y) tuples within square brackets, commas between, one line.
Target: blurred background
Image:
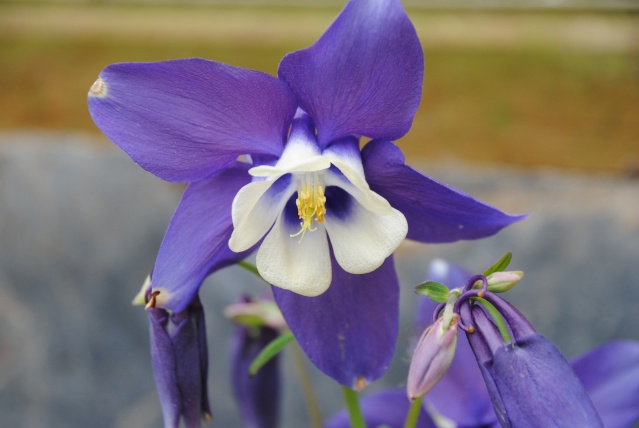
[(532, 86), (532, 106)]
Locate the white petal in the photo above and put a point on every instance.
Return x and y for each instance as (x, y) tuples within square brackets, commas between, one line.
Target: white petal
[(254, 211), (347, 156), (354, 181), (315, 163), (364, 239), (301, 154), (302, 267)]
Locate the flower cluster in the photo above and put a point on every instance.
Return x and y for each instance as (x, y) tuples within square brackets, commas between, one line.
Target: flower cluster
[(524, 382)]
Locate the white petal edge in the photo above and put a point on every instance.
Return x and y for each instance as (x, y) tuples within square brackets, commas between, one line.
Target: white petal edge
[(362, 241), (301, 267), (254, 212), (358, 189)]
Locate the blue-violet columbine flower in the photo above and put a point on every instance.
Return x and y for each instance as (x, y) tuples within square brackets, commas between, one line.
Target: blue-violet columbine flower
[(274, 165)]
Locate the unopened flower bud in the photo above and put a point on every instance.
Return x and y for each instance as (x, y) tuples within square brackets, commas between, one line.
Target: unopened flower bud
[(256, 313), (258, 396), (432, 357), (499, 282)]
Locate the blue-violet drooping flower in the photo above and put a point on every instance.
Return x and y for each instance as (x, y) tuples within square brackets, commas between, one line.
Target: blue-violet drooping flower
[(179, 358)]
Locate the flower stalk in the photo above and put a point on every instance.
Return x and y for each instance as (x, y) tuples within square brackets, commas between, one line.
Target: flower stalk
[(351, 400), (413, 413)]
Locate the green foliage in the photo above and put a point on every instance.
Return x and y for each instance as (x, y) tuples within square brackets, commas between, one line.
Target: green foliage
[(435, 291)]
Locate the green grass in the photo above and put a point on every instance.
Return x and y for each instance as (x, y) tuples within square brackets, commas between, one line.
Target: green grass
[(527, 104)]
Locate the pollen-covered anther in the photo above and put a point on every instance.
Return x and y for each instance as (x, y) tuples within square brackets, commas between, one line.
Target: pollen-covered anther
[(311, 205)]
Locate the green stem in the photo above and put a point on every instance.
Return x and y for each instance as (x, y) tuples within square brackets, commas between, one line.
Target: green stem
[(499, 320), (251, 268), (351, 399), (307, 387), (413, 413)]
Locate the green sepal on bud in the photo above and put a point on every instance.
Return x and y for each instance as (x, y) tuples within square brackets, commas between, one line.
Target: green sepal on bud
[(435, 291), (254, 314), (501, 264)]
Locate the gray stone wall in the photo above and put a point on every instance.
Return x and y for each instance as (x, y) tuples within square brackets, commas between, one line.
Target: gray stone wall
[(80, 225)]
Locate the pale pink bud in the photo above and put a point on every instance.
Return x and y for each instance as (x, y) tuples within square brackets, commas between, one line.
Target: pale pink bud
[(499, 282), (432, 357)]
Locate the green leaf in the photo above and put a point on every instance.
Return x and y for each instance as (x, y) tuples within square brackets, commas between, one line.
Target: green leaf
[(501, 265), (435, 291), (269, 351)]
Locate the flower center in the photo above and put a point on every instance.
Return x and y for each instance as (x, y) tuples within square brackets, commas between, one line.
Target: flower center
[(310, 202)]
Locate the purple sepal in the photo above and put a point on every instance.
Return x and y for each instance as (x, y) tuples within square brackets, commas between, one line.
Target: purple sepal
[(257, 397), (349, 332), (435, 212), (610, 375), (530, 383), (186, 119), (363, 76), (180, 365), (461, 395), (387, 407), (196, 242)]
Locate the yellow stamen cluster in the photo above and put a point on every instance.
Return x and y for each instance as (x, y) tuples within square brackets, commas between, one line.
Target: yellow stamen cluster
[(310, 206)]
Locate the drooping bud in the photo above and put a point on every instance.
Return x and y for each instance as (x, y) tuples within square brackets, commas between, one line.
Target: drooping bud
[(432, 357), (179, 357), (530, 383)]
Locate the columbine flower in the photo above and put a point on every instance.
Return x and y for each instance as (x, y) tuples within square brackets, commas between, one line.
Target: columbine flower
[(257, 397), (318, 211), (180, 364)]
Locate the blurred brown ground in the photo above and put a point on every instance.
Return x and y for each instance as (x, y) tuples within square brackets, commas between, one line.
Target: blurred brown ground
[(529, 88)]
